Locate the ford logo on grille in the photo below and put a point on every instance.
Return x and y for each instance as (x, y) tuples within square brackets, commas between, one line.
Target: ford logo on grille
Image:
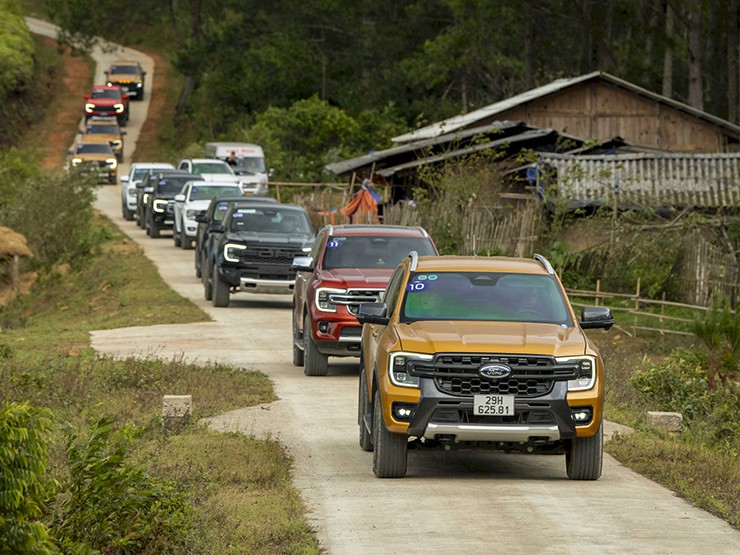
[(494, 371)]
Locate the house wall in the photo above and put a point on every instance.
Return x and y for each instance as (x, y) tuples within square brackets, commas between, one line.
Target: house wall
[(600, 110)]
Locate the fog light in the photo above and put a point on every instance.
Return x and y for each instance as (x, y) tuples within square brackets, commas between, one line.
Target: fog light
[(402, 411), (581, 415), (323, 327)]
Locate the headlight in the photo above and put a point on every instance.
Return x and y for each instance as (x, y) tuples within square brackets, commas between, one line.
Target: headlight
[(131, 192), (89, 107), (112, 162), (145, 198), (109, 83), (119, 108), (231, 251), (159, 205), (399, 370), (324, 301), (190, 214), (76, 161), (139, 85), (587, 376)]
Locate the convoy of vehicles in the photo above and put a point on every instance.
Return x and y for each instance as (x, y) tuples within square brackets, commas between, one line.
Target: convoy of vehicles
[(454, 352), (347, 266)]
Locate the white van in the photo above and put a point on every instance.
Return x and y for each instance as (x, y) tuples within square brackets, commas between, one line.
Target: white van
[(250, 164)]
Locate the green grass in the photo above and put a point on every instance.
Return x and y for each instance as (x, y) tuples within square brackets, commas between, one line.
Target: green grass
[(239, 487)]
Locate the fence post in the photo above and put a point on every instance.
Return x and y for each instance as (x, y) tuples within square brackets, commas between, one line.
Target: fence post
[(598, 288), (662, 313), (637, 306)]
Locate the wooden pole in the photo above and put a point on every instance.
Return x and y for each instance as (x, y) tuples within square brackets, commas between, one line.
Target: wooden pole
[(16, 274), (637, 305), (598, 289)]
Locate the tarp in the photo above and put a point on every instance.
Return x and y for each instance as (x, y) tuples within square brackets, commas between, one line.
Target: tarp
[(364, 205)]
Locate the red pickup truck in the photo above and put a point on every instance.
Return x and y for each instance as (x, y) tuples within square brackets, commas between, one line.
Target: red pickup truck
[(348, 265)]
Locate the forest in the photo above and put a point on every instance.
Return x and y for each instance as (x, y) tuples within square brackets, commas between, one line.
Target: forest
[(375, 68)]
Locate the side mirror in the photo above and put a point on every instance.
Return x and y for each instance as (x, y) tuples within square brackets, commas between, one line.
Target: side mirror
[(148, 189), (123, 132), (124, 179), (302, 264), (373, 313), (86, 96), (201, 217), (179, 197), (70, 151), (593, 317), (216, 227), (139, 184)]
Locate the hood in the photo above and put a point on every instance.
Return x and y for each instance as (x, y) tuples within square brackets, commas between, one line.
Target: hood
[(491, 337), (198, 204), (296, 240), (106, 101), (370, 278), (119, 77), (164, 196)]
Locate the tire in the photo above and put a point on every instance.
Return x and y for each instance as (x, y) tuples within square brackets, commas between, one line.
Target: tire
[(298, 354), (198, 266), (584, 457), (207, 283), (315, 363), (128, 215), (363, 408), (153, 230), (220, 290), (389, 450), (185, 241), (176, 238)]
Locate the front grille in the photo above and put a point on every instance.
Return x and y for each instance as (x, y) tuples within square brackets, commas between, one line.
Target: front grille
[(353, 298), (272, 255), (531, 376)]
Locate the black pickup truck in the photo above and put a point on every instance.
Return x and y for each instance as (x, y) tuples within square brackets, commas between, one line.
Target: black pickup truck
[(253, 250), (156, 196)]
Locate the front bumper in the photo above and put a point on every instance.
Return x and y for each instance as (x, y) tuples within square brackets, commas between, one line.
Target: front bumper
[(545, 418), (264, 279), (336, 337)]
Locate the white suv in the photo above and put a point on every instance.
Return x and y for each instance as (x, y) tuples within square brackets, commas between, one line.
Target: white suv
[(213, 169), (136, 174), (193, 199)]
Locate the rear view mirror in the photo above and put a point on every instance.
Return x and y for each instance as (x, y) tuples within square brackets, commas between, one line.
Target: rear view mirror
[(302, 264), (372, 313), (593, 317), (179, 197)]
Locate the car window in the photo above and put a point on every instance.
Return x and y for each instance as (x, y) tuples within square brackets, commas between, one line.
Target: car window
[(124, 69), (270, 220), (486, 296), (171, 185), (372, 252), (106, 129), (103, 148), (250, 165), (200, 192), (390, 297), (317, 246), (105, 93), (212, 167)]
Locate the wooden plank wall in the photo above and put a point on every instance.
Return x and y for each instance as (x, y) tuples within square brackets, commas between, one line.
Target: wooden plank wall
[(697, 180)]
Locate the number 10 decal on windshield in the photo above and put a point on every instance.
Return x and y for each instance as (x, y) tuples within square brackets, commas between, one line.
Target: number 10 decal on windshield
[(415, 286)]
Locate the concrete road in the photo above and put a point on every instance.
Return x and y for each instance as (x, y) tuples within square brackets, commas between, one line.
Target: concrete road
[(460, 502)]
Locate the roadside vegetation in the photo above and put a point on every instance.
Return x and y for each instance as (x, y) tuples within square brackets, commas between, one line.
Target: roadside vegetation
[(95, 421)]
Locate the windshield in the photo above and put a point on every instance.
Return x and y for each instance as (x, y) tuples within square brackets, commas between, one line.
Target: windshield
[(211, 167), (106, 93), (199, 192), (124, 69), (103, 129), (488, 296), (172, 185), (250, 165), (102, 148), (372, 252), (270, 220)]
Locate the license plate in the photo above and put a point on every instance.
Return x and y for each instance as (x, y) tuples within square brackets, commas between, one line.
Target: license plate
[(493, 405)]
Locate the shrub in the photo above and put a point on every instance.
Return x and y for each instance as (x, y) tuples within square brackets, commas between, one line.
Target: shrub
[(720, 333), (678, 383), (23, 483), (113, 506)]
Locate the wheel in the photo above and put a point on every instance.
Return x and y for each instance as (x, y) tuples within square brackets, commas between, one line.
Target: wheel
[(198, 265), (176, 238), (208, 284), (153, 229), (185, 242), (128, 215), (220, 290), (298, 358), (140, 218), (584, 456), (389, 450), (363, 409), (315, 363)]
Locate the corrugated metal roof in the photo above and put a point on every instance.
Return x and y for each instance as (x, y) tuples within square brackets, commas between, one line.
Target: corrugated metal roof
[(352, 164), (464, 120), (522, 137)]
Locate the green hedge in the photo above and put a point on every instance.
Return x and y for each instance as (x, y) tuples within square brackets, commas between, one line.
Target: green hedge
[(16, 49)]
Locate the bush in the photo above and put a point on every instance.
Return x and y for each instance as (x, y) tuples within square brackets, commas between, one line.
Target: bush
[(677, 384), (23, 483), (115, 507)]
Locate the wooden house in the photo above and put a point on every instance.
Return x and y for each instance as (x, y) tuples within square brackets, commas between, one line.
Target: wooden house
[(598, 106)]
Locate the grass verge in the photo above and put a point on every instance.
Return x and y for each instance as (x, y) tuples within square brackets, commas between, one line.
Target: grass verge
[(238, 487)]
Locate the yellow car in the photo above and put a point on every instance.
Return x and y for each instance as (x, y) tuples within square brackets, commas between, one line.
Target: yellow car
[(129, 75), (480, 352), (107, 129), (95, 156)]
